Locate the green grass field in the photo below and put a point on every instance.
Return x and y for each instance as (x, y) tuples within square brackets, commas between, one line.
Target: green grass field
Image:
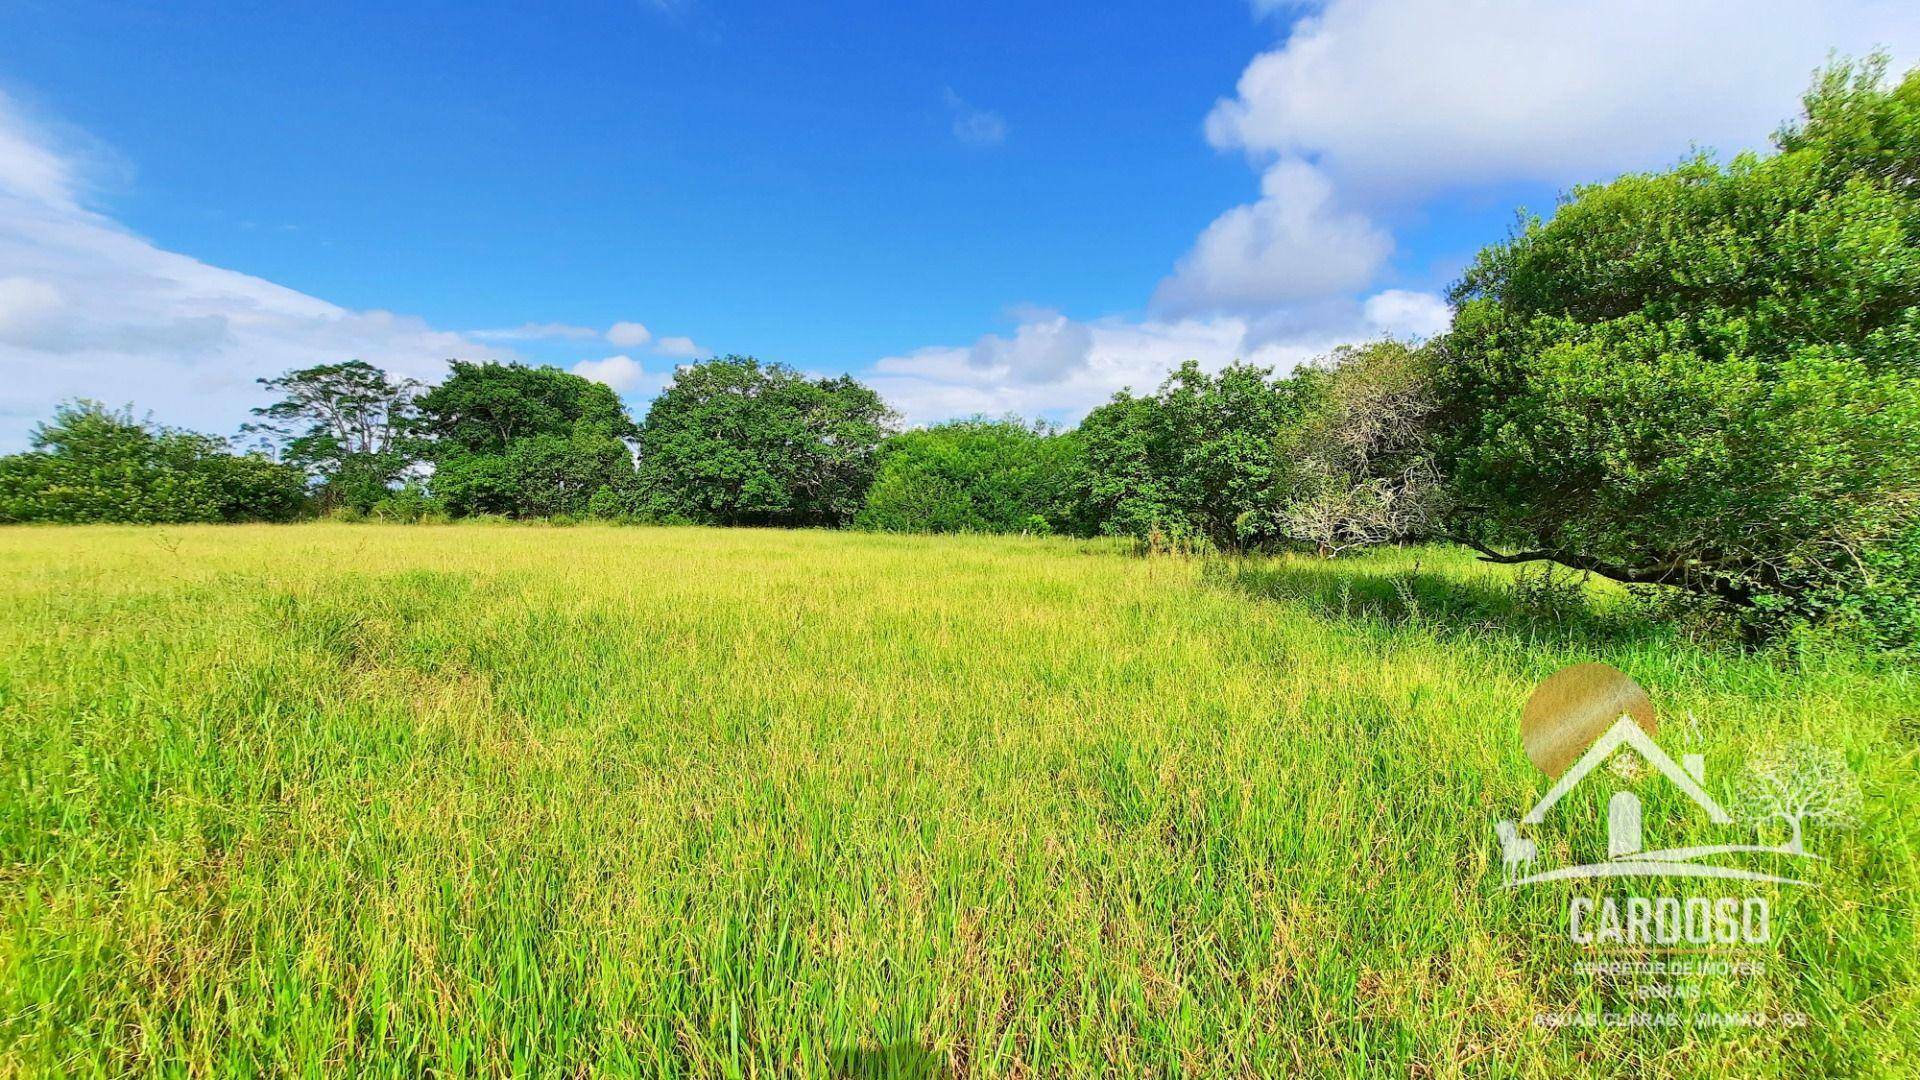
[(488, 799)]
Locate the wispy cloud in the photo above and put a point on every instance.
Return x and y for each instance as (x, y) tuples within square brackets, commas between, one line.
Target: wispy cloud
[(680, 348), (546, 331), (974, 126)]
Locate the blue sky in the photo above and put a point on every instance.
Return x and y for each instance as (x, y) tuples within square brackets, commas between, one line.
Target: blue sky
[(979, 207)]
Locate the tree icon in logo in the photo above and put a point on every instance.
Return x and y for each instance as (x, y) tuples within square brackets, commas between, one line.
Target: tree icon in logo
[(1797, 786)]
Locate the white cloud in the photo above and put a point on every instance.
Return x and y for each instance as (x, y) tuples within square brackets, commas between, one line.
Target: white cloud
[(29, 168), (93, 310), (679, 347), (1398, 98), (1405, 314), (628, 335), (943, 382), (622, 372), (1063, 367), (538, 331), (1044, 350), (25, 306), (1293, 244), (975, 126)]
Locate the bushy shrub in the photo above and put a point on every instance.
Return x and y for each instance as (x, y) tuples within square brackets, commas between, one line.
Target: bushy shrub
[(552, 475), (616, 502), (249, 487), (1199, 458), (989, 476), (412, 503), (525, 441), (92, 464), (469, 485)]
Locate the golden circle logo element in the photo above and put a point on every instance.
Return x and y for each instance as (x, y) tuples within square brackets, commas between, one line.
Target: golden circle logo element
[(1573, 707)]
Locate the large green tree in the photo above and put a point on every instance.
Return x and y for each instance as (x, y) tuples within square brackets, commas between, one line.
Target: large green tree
[(482, 408), (526, 441), (346, 424), (1198, 459), (736, 442), (978, 475), (93, 464), (1710, 377)]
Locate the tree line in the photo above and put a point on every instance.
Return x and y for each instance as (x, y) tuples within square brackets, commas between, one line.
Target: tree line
[(1705, 378)]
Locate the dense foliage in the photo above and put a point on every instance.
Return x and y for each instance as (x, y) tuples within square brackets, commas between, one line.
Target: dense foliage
[(1710, 377), (526, 441), (1200, 459), (90, 464), (737, 442), (988, 476), (484, 408)]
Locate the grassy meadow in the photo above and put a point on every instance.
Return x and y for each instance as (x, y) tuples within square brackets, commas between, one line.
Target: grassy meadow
[(487, 799)]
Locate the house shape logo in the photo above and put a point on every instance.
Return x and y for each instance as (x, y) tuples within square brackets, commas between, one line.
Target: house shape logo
[(1627, 855), (1623, 810)]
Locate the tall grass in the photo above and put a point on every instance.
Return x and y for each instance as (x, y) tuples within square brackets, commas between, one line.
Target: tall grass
[(477, 799)]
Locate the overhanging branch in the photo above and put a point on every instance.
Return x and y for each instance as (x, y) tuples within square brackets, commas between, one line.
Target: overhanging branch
[(1678, 574)]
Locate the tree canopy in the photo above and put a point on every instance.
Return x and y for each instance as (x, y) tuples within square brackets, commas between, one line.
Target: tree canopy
[(1198, 459), (1710, 377), (736, 442), (979, 475), (345, 424), (482, 408), (527, 441)]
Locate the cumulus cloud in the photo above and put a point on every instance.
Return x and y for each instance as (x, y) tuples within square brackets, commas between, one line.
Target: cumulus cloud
[(681, 348), (1086, 362), (622, 373), (1396, 98), (1044, 350), (1295, 243), (90, 309), (628, 335), (1405, 314), (975, 126), (1368, 109)]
